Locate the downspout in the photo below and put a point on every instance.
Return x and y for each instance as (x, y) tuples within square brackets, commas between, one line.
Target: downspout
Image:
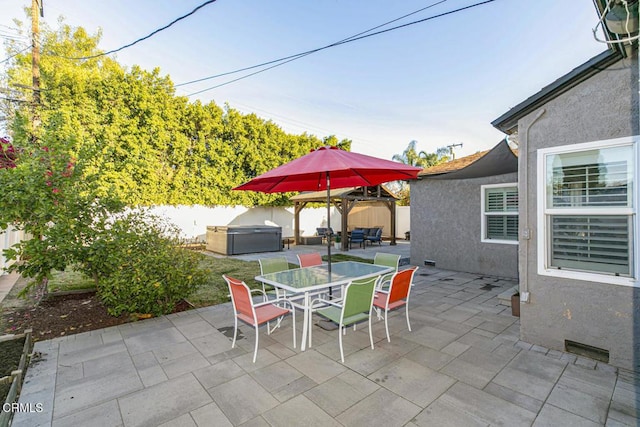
[(523, 159)]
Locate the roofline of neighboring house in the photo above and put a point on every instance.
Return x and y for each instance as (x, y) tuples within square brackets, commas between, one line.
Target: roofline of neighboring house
[(499, 160), (508, 122), (452, 165)]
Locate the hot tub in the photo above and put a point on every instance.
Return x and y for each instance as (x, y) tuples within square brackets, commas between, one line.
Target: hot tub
[(243, 239)]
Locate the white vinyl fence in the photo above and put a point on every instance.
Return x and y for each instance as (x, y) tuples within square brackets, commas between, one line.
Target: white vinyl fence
[(193, 220), (8, 238)]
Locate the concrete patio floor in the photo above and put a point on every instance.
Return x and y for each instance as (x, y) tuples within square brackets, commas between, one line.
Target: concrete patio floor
[(462, 365)]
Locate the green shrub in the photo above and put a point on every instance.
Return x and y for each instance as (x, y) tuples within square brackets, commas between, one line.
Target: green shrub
[(142, 269)]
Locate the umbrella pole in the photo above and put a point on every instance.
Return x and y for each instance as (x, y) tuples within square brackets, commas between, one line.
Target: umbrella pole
[(329, 222)]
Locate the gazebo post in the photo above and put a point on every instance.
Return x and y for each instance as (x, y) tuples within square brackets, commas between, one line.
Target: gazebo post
[(392, 207), (344, 214), (296, 220)]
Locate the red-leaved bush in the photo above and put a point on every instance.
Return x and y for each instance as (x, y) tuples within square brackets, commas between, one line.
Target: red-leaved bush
[(7, 154)]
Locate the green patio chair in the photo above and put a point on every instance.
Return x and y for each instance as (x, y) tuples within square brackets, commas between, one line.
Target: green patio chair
[(386, 260), (272, 265), (355, 307)]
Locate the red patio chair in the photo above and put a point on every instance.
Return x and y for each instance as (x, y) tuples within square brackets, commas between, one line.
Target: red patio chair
[(396, 296), (255, 314), (309, 260)]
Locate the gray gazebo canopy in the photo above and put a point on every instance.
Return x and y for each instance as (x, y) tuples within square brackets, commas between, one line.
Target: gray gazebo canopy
[(344, 199)]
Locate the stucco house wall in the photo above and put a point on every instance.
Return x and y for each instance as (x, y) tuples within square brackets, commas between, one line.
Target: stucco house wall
[(601, 315), (446, 227)]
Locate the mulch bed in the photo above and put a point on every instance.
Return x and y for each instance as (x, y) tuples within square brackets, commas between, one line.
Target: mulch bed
[(65, 315)]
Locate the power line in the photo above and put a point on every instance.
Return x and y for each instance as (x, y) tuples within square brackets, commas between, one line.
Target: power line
[(13, 39), (8, 36), (350, 40), (291, 122), (13, 100), (10, 28), (302, 126), (15, 54), (300, 55), (153, 33)]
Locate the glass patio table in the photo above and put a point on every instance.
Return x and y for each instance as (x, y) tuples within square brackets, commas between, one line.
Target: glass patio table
[(310, 280)]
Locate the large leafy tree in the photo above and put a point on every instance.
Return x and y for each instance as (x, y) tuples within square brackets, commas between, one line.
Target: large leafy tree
[(105, 138), (46, 194), (140, 141)]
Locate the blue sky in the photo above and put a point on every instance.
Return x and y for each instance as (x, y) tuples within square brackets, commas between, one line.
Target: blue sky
[(440, 82)]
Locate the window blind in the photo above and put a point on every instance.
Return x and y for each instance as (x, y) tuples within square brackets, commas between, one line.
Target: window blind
[(501, 199), (592, 243), (501, 213), (502, 227), (591, 185)]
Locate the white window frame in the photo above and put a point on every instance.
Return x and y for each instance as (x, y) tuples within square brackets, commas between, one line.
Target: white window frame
[(543, 212), (483, 214)]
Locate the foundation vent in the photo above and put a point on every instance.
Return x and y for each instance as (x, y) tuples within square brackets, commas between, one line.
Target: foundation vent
[(585, 350)]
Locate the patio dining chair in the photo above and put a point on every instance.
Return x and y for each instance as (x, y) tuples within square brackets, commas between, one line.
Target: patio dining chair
[(309, 260), (386, 260), (355, 307), (245, 309), (397, 296), (275, 265), (272, 265)]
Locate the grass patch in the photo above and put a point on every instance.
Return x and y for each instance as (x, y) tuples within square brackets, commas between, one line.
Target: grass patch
[(215, 291), (69, 280), (344, 257)]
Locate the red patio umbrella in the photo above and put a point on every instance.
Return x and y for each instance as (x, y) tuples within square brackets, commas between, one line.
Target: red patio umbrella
[(326, 168)]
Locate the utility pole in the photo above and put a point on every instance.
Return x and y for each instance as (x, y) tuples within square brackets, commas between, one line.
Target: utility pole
[(451, 147), (36, 12)]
